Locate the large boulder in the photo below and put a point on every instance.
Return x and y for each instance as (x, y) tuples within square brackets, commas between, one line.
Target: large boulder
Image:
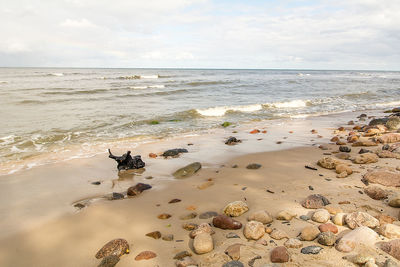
[(366, 158), (361, 235), (393, 123), (389, 138), (358, 218), (385, 178)]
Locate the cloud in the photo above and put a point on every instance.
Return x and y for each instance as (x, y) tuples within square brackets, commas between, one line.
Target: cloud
[(82, 23)]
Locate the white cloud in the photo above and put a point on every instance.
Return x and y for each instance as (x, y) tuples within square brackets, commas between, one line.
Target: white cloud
[(82, 23)]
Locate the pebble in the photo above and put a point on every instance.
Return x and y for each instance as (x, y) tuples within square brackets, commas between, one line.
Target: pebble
[(96, 183), (164, 216), (138, 189), (304, 217), (339, 219), (321, 216), (390, 231), (233, 251), (189, 226), (236, 208), (145, 255), (261, 216), (205, 185), (175, 200), (225, 222), (279, 255), (116, 247), (169, 237), (278, 234), (328, 227), (345, 149), (232, 235), (155, 234), (254, 230), (115, 196), (293, 243), (311, 250), (109, 261), (285, 215), (315, 201), (186, 262), (333, 209), (203, 228), (253, 166), (309, 233), (187, 171), (208, 215), (203, 243), (188, 216), (394, 201), (233, 264), (182, 255), (327, 238)]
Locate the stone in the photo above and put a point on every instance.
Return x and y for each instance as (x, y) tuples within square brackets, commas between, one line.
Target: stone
[(327, 238), (186, 262), (285, 215), (328, 227), (385, 178), (321, 216), (327, 162), (342, 175), (393, 123), (203, 243), (335, 139), (189, 226), (232, 235), (138, 189), (182, 255), (253, 260), (203, 228), (232, 141), (392, 248), (375, 192), (338, 219), (164, 216), (359, 218), (363, 150), (309, 233), (343, 156), (311, 250), (293, 243), (366, 158), (389, 138), (187, 171), (233, 251), (361, 258), (253, 230), (384, 219), (304, 217), (115, 196), (188, 216), (388, 154), (109, 261), (175, 200), (390, 263), (169, 237), (233, 264), (390, 231), (333, 209), (261, 216), (174, 152), (345, 149), (394, 201), (279, 255), (208, 215), (152, 155), (315, 202), (278, 234), (253, 166), (379, 121), (364, 143), (225, 222), (343, 168), (155, 234), (361, 235), (236, 208), (145, 255), (117, 247)]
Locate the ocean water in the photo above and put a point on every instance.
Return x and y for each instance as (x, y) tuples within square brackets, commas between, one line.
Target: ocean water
[(54, 111)]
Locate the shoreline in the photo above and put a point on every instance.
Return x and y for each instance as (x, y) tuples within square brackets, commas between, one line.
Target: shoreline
[(102, 221)]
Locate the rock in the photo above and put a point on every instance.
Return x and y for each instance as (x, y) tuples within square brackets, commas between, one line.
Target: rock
[(164, 216), (315, 202), (285, 215), (182, 255), (225, 222), (338, 219), (203, 228), (343, 156), (233, 251), (232, 141), (233, 264), (255, 131), (175, 200), (393, 123), (384, 219), (389, 138), (115, 196), (109, 261), (321, 216), (390, 263), (253, 230), (186, 262), (328, 227), (388, 155), (145, 255), (155, 234), (304, 217), (394, 201), (328, 162), (293, 243), (232, 235), (253, 260), (360, 259), (311, 250), (152, 155), (364, 143), (383, 177), (268, 230), (366, 158), (208, 215), (261, 216), (358, 218), (375, 192), (392, 248), (333, 209), (309, 233), (169, 237), (174, 152), (117, 247), (189, 226), (236, 208), (363, 151), (278, 234), (361, 235), (379, 121), (279, 254), (342, 175), (188, 216), (345, 149), (137, 189), (390, 231), (187, 171), (253, 166), (203, 243), (343, 168), (327, 238), (335, 139)]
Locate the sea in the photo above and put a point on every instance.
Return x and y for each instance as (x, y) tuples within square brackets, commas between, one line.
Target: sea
[(72, 113)]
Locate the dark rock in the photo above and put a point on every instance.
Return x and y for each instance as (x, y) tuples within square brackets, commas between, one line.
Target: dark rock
[(126, 162), (380, 121), (225, 222), (233, 264), (79, 206), (155, 234), (363, 151), (182, 255), (386, 147), (109, 261), (253, 166), (316, 201), (235, 166), (115, 196), (344, 149), (96, 183), (174, 152), (117, 247), (310, 187), (279, 255), (187, 171), (175, 200), (311, 250), (208, 215), (137, 189), (232, 141)]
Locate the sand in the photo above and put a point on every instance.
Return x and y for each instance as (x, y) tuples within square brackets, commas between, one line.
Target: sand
[(72, 238)]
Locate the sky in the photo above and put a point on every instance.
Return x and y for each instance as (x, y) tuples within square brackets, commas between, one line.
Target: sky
[(268, 34)]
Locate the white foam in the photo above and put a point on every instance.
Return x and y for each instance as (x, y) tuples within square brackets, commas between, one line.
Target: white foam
[(159, 86), (393, 103), (291, 104), (57, 74), (221, 111), (149, 76)]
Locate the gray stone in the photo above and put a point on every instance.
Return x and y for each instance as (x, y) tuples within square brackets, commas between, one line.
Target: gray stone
[(109, 261), (233, 264), (187, 171), (311, 250), (253, 166), (208, 215)]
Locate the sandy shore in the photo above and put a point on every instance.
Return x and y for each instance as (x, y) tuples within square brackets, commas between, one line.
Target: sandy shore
[(63, 236)]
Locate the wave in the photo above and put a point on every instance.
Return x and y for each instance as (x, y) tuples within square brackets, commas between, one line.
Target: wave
[(387, 104), (207, 83), (221, 111), (58, 74), (79, 92), (136, 77), (291, 104), (158, 86)]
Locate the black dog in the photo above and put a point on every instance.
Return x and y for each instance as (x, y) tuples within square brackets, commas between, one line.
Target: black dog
[(126, 162)]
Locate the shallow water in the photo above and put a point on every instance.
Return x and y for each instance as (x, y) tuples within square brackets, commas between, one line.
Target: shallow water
[(80, 112)]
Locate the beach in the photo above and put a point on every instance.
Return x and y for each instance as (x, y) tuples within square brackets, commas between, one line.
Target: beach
[(44, 226)]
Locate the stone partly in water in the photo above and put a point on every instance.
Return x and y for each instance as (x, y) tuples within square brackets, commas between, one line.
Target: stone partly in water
[(390, 231), (315, 202), (203, 243), (253, 166), (279, 255), (385, 178), (225, 222), (174, 152), (261, 216), (117, 247), (137, 189), (311, 250), (392, 248), (145, 255), (376, 192), (236, 208), (327, 238), (254, 230), (358, 218), (361, 235), (309, 233), (187, 171)]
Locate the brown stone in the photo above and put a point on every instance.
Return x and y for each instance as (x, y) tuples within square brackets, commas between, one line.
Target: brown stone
[(385, 219), (389, 138), (164, 216), (145, 255), (315, 202), (152, 155), (233, 251), (365, 143), (137, 189), (375, 192), (224, 222), (155, 234), (279, 255), (392, 248), (328, 227), (383, 177)]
